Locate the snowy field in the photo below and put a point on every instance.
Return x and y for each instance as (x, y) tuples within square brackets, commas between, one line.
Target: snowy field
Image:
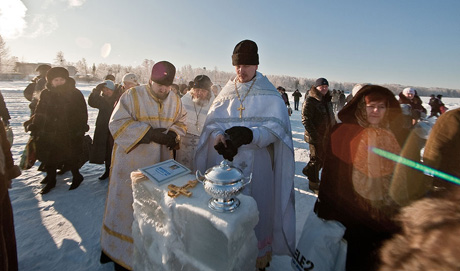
[(61, 230)]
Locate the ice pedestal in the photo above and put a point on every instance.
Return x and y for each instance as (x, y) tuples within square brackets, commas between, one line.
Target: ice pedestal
[(184, 234)]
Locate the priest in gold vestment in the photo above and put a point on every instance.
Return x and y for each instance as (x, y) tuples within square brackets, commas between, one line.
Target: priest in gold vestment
[(146, 126)]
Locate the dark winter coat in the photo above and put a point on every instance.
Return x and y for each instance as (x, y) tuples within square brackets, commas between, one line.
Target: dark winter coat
[(101, 143), (416, 105), (297, 95), (4, 113), (317, 117), (285, 98), (8, 253), (435, 104), (348, 168), (59, 125)]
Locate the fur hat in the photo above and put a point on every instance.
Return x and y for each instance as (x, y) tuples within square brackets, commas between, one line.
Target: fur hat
[(202, 81), (44, 67), (130, 77), (109, 77), (109, 84), (408, 91), (57, 72), (355, 89), (163, 73), (245, 53), (321, 81)]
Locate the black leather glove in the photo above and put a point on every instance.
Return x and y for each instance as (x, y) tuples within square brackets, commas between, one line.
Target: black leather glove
[(227, 152), (239, 135), (172, 144)]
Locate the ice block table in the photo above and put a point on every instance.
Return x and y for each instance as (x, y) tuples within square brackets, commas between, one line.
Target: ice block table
[(182, 233)]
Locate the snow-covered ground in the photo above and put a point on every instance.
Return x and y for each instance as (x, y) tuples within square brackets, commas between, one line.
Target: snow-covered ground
[(61, 230)]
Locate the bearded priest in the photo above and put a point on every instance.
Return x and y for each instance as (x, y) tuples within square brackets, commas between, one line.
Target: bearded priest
[(197, 102), (248, 124)]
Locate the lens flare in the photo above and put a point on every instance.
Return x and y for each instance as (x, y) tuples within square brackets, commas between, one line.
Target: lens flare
[(415, 165)]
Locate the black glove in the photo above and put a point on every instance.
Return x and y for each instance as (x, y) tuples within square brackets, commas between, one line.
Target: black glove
[(239, 135), (152, 135), (172, 144), (158, 136), (100, 87), (227, 152)]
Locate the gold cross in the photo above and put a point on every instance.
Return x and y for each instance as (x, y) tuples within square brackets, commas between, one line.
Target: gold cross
[(175, 191), (241, 108)]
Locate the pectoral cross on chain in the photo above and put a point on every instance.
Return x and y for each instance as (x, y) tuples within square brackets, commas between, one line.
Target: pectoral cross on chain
[(175, 191), (241, 108)]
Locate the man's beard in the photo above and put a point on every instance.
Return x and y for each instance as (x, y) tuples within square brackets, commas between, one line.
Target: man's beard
[(200, 102)]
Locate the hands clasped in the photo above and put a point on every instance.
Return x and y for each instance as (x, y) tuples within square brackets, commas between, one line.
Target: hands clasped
[(159, 136)]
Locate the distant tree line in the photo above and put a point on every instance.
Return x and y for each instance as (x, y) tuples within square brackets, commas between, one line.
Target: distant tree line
[(94, 73)]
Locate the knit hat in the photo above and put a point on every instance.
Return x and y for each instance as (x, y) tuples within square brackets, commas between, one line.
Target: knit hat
[(163, 73), (321, 81), (57, 72), (202, 81), (130, 77), (44, 67), (109, 84), (408, 91), (245, 53)]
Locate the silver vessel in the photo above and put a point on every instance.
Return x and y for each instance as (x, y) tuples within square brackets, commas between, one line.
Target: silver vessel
[(223, 182)]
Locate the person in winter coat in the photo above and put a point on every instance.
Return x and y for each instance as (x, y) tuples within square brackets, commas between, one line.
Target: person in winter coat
[(297, 96), (335, 99), (8, 171), (435, 104), (103, 97), (32, 91), (59, 127), (4, 113), (285, 97), (317, 118), (129, 81), (409, 96), (355, 180)]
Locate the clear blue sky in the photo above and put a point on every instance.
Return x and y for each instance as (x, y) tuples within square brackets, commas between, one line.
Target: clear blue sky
[(408, 42)]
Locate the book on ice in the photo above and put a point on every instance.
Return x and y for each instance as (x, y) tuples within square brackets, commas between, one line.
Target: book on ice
[(165, 171)]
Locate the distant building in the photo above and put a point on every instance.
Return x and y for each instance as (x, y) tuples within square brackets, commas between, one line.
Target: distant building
[(28, 69)]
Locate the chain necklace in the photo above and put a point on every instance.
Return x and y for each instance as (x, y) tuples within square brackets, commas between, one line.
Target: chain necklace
[(197, 115), (241, 108)]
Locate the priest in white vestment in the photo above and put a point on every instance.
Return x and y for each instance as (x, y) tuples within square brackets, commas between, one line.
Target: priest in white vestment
[(146, 126), (197, 102), (249, 124)]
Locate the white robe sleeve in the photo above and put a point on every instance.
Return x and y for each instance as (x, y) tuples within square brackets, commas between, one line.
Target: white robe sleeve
[(262, 137)]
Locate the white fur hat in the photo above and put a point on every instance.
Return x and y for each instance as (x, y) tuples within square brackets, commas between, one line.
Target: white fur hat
[(356, 88), (407, 91), (130, 77)]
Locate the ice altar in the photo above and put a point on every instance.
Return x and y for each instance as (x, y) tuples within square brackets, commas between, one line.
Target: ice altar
[(182, 233)]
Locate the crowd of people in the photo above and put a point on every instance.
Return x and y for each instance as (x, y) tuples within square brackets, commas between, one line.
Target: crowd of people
[(379, 201)]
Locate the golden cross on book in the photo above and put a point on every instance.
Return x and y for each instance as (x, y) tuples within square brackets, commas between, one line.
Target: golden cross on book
[(175, 191), (241, 108)]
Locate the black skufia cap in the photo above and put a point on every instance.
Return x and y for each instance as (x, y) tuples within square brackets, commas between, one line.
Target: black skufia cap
[(245, 53)]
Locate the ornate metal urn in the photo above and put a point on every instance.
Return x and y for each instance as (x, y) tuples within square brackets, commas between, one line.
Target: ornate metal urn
[(223, 182)]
